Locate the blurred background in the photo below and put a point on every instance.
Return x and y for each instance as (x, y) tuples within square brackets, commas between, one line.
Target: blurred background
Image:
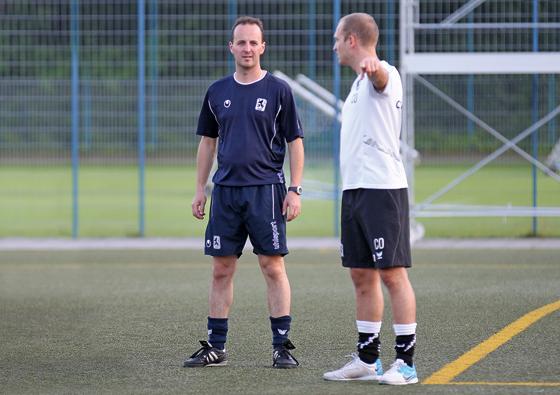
[(99, 103)]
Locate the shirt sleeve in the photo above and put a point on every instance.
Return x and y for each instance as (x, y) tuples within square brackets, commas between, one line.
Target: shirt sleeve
[(208, 124), (390, 78), (289, 119)]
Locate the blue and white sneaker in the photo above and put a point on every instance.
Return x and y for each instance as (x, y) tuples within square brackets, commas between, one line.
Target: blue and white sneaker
[(399, 374), (356, 369)]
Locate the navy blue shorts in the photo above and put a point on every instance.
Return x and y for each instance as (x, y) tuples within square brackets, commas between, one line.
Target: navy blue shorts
[(375, 230), (238, 212)]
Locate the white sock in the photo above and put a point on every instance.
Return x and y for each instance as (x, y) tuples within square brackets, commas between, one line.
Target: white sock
[(368, 326), (404, 329)]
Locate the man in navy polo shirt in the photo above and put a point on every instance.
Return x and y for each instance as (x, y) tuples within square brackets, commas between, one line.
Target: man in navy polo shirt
[(249, 118)]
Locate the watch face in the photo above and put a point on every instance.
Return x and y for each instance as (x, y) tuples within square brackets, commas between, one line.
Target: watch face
[(297, 189)]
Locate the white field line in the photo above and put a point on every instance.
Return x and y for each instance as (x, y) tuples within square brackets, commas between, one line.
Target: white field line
[(294, 243)]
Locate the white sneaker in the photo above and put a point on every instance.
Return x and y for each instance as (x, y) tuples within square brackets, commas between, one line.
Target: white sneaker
[(399, 374), (356, 369)]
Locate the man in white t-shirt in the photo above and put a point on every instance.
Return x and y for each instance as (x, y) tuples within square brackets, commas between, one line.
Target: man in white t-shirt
[(375, 241)]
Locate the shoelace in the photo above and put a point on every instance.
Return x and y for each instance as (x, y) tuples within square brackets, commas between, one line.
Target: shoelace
[(354, 356), (205, 347), (397, 365), (284, 353), (288, 345)]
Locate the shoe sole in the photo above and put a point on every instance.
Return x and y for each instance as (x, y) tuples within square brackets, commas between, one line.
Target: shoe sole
[(210, 365), (284, 366), (369, 378), (413, 381)]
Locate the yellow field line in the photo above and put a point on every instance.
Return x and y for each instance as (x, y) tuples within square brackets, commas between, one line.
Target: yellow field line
[(465, 361), (521, 383)]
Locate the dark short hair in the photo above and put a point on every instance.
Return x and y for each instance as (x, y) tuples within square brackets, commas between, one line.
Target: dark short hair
[(363, 26), (248, 20)]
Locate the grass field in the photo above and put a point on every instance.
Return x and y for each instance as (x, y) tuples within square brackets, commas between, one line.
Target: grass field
[(37, 202), (122, 322)]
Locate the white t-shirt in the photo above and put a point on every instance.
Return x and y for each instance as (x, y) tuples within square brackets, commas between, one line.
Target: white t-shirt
[(369, 138)]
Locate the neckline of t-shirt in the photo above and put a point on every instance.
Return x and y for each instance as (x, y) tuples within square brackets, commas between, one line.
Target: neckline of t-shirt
[(252, 82)]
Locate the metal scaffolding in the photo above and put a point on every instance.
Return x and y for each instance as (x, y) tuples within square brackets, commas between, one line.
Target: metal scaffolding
[(419, 62)]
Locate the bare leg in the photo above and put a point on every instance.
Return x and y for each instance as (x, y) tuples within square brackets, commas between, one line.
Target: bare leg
[(403, 301), (369, 296), (278, 286), (221, 290)]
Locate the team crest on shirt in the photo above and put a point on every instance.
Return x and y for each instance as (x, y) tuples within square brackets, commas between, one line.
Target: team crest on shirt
[(261, 104)]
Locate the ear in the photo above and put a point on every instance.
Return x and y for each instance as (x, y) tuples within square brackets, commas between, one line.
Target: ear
[(230, 45), (353, 40), (263, 48)]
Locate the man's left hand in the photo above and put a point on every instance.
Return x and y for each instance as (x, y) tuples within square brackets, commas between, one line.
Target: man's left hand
[(291, 207)]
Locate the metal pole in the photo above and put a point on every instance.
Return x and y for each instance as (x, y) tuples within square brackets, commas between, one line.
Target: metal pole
[(336, 126), (312, 57), (552, 137), (391, 32), (470, 83), (154, 71), (141, 115), (75, 49), (406, 46), (535, 116), (232, 15)]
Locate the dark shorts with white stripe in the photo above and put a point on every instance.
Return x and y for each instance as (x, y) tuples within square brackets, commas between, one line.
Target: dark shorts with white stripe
[(375, 228), (238, 212)]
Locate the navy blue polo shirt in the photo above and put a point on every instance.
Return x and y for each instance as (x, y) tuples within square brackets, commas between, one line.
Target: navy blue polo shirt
[(253, 122)]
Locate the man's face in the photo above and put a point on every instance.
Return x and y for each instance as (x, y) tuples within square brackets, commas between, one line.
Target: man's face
[(341, 45), (247, 46)]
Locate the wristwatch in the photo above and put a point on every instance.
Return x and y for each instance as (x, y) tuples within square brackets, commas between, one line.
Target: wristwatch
[(297, 189)]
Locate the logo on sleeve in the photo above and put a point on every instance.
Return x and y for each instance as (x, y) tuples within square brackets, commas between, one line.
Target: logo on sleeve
[(261, 104)]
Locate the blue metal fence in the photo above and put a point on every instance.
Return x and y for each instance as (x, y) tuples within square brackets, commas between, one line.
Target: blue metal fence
[(120, 82), (105, 83)]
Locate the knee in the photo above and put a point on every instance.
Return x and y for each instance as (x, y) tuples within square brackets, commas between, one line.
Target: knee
[(223, 272), (364, 280), (357, 278), (273, 268), (394, 277)]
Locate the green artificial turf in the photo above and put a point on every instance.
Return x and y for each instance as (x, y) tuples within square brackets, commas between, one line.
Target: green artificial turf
[(123, 321)]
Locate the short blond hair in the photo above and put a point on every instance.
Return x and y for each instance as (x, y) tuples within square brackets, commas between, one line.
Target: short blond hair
[(363, 26)]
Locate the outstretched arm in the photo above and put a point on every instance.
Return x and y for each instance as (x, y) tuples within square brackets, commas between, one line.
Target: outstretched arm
[(292, 203), (204, 161), (376, 73)]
